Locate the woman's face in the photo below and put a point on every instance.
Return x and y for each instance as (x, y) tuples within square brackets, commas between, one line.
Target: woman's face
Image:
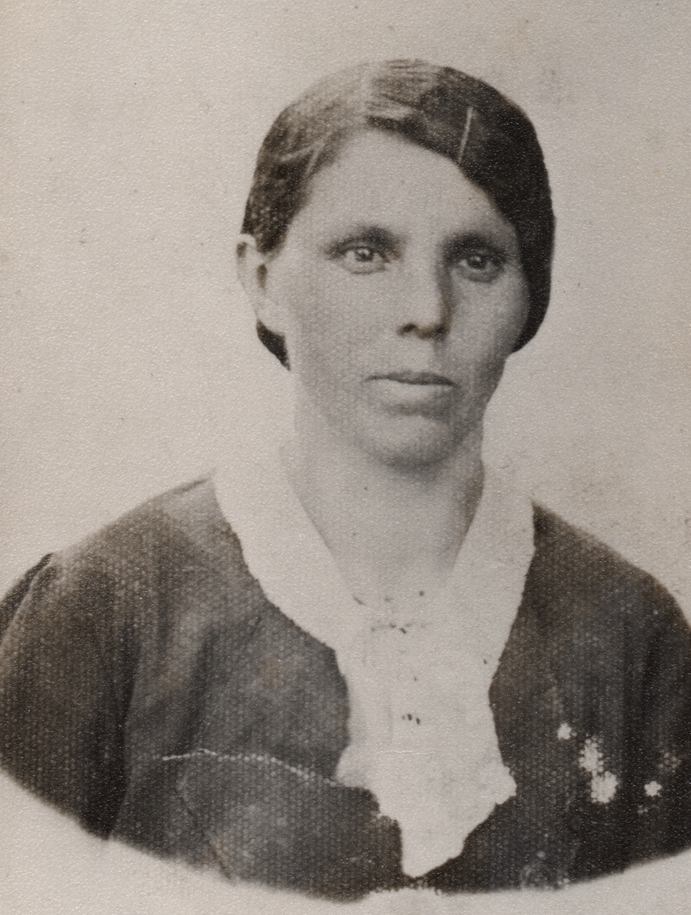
[(400, 293)]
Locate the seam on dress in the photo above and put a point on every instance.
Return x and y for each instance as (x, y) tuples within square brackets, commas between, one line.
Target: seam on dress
[(300, 771)]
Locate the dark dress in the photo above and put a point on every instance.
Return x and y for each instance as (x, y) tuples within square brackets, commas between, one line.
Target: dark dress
[(149, 689)]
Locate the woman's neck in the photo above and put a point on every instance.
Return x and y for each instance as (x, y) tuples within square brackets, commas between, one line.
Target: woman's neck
[(394, 533)]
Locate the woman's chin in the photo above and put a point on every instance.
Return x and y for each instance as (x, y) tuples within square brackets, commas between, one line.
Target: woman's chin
[(414, 443)]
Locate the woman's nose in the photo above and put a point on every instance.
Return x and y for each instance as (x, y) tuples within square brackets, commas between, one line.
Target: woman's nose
[(425, 304)]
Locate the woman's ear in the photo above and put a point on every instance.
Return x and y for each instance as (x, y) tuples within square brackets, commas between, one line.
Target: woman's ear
[(253, 270)]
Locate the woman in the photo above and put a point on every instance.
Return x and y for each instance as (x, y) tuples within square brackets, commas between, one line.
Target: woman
[(361, 660)]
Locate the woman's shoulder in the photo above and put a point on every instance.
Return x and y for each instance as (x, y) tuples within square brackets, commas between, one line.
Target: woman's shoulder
[(144, 550), (186, 518), (577, 579), (187, 512)]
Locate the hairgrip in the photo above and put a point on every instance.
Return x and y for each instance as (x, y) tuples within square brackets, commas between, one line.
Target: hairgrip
[(466, 132)]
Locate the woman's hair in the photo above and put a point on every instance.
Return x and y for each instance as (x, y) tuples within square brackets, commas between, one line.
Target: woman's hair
[(488, 137)]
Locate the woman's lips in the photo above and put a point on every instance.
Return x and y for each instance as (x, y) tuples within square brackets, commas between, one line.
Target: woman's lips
[(410, 392), (421, 378)]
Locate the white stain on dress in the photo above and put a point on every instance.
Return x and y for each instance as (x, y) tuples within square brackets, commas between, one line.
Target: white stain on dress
[(603, 784), (670, 762), (565, 731), (652, 789)]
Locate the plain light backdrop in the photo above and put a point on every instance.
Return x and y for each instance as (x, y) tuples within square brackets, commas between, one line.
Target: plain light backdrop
[(127, 356), (128, 139)]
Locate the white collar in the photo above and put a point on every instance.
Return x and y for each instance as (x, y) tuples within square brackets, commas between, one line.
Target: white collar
[(442, 777)]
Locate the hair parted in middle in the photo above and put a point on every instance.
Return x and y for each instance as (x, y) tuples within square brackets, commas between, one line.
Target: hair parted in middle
[(489, 138)]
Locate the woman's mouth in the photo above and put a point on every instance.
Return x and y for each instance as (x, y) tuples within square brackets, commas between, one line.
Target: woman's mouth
[(414, 393), (417, 378)]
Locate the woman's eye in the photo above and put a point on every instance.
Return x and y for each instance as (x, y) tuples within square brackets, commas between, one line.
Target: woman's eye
[(363, 258), (480, 265)]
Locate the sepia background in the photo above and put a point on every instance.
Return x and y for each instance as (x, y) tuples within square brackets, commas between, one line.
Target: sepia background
[(127, 353)]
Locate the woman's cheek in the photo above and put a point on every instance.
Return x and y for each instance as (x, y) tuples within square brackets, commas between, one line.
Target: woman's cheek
[(322, 351), (333, 329)]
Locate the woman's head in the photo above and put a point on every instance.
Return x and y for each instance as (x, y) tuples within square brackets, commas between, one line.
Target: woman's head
[(437, 108)]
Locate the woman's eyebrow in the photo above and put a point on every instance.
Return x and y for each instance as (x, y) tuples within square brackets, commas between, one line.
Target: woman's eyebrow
[(366, 233), (464, 240)]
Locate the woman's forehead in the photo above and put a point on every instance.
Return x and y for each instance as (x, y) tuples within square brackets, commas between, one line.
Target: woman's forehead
[(381, 177)]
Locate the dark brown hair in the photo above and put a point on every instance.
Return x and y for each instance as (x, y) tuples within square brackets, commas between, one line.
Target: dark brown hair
[(488, 137)]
